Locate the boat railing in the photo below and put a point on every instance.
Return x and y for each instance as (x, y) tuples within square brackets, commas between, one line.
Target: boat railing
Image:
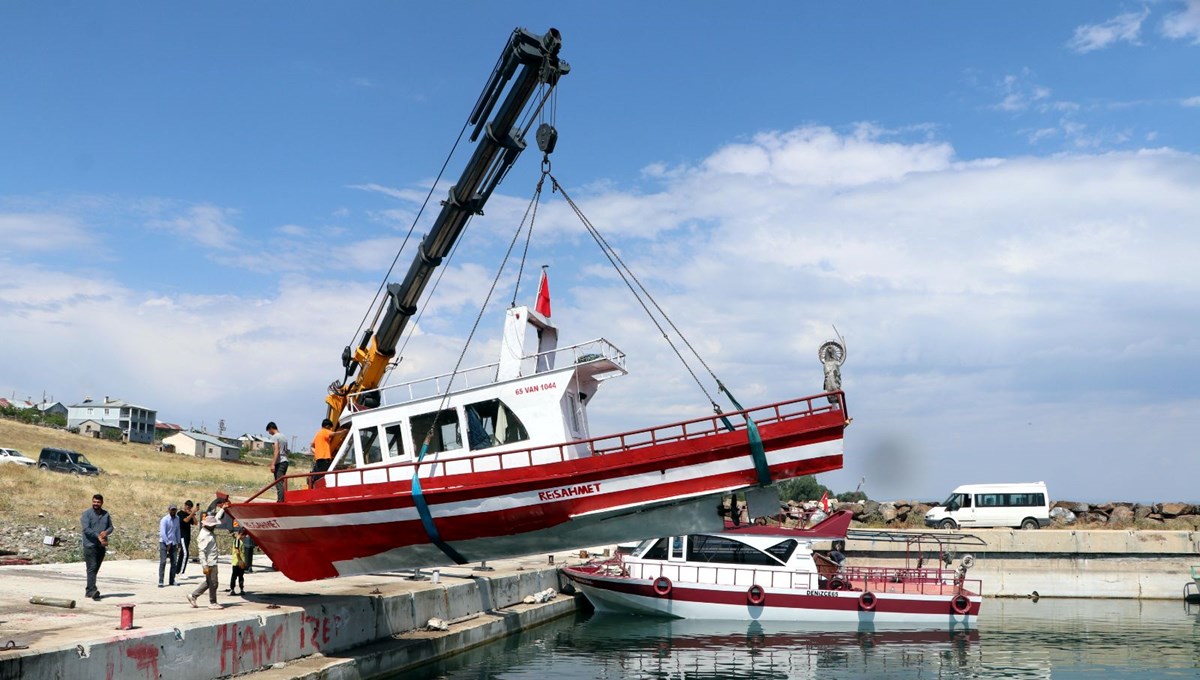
[(709, 425), (875, 579), (488, 374), (434, 467)]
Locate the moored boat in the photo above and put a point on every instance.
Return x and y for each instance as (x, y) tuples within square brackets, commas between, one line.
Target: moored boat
[(774, 574)]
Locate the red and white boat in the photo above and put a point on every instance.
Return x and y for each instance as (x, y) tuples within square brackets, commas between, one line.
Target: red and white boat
[(498, 461), (511, 469), (773, 574)]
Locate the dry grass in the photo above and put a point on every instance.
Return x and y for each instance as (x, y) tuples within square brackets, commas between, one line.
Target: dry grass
[(138, 483)]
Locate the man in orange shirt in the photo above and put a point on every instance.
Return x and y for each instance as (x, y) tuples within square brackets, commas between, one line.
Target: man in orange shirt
[(321, 453)]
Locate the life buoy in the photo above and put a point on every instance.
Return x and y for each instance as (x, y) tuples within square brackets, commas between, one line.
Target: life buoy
[(836, 583), (662, 585), (756, 594), (867, 601), (960, 604)]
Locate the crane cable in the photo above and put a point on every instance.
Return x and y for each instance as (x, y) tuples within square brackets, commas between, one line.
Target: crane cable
[(419, 501), (627, 276), (757, 451)]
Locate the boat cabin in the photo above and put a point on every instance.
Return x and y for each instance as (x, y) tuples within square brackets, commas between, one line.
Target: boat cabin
[(525, 409)]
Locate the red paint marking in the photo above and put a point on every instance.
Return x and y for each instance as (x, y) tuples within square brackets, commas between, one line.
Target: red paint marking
[(146, 657)]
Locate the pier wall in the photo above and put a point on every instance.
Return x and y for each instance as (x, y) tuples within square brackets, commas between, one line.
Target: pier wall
[(325, 625), (1064, 563)]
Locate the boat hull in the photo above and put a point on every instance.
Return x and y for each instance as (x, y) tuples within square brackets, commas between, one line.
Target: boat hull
[(628, 495), (707, 601)]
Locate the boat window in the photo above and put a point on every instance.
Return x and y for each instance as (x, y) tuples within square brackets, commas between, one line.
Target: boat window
[(445, 436), (658, 552), (677, 547), (368, 443), (395, 440), (492, 423), (702, 548), (783, 550)]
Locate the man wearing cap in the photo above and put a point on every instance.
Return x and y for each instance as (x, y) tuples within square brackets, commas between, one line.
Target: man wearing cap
[(168, 543), (207, 544)]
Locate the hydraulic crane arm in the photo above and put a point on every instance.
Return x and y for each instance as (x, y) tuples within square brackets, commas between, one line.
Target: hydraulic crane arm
[(531, 63)]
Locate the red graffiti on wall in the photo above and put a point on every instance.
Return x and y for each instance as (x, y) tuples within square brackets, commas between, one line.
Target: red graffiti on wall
[(246, 649), (144, 656), (316, 631)]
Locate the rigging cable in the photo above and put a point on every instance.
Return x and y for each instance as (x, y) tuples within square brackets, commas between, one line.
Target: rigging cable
[(418, 497), (757, 451), (626, 274)]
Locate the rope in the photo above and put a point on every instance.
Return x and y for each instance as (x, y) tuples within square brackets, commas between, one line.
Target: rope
[(626, 274), (418, 496)]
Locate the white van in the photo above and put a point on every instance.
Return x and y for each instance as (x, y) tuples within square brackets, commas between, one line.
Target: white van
[(1025, 505)]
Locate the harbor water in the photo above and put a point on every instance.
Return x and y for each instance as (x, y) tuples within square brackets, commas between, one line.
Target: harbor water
[(1059, 638)]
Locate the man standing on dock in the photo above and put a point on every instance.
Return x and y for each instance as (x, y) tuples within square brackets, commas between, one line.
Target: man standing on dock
[(279, 460), (97, 527), (206, 542), (168, 543), (321, 452)]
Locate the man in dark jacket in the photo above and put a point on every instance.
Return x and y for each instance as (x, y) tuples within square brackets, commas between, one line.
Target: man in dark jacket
[(97, 527)]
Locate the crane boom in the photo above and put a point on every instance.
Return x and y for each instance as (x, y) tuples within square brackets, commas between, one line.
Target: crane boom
[(529, 62)]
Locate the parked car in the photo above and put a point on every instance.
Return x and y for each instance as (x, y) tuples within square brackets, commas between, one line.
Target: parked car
[(63, 460), (14, 456)]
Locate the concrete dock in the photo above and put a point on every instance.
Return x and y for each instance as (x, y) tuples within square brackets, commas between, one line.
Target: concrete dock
[(356, 627), (372, 626), (1065, 563)]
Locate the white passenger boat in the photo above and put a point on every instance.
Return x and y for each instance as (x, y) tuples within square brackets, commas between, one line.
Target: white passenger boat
[(773, 574)]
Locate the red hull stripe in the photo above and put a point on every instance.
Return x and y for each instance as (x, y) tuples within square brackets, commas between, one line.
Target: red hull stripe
[(890, 603)]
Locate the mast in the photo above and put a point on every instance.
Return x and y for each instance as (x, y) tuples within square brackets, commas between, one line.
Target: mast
[(530, 63)]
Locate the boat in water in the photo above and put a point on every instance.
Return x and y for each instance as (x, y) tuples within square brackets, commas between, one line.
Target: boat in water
[(498, 460), (773, 573)]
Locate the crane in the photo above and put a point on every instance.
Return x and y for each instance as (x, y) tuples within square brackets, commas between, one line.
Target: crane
[(530, 62)]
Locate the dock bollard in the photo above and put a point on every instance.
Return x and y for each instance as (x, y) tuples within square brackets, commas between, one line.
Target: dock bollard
[(126, 617)]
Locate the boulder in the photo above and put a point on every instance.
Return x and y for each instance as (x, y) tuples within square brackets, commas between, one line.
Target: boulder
[(887, 511), (1176, 509), (1121, 515), (870, 508), (920, 509), (1080, 508), (1061, 514), (1103, 507), (1141, 511)]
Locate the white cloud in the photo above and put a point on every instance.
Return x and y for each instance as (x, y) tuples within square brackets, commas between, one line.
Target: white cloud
[(1121, 28), (1018, 93), (42, 231), (205, 224), (1184, 24), (1191, 102)]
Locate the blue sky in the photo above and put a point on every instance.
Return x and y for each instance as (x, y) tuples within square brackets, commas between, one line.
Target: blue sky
[(994, 203)]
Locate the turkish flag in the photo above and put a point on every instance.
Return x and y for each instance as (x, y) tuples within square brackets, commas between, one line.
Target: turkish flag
[(825, 501), (543, 298)]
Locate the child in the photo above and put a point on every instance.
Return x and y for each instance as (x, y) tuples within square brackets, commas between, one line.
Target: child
[(238, 560)]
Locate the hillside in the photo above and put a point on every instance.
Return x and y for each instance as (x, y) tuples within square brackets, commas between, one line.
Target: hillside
[(138, 483)]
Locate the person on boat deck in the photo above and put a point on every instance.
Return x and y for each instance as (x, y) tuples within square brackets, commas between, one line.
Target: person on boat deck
[(279, 459), (321, 452), (836, 555)]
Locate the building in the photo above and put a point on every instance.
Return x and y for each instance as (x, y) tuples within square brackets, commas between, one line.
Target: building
[(136, 423), (164, 430), (52, 408), (98, 430), (254, 442), (203, 445)]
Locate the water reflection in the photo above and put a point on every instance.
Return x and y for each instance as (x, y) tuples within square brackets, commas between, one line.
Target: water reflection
[(1015, 639)]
